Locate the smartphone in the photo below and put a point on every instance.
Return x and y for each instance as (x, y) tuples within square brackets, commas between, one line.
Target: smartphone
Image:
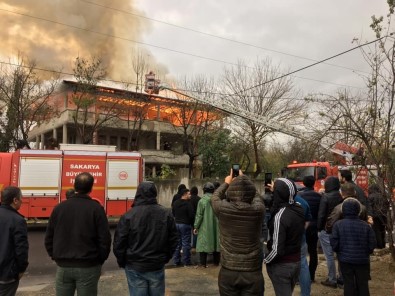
[(235, 170), (268, 178)]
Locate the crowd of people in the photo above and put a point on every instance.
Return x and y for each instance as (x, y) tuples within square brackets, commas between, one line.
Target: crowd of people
[(229, 221)]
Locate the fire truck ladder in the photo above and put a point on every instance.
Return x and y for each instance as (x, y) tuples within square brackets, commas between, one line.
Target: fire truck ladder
[(274, 126)]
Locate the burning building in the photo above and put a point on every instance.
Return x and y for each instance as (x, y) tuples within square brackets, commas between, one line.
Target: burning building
[(152, 124)]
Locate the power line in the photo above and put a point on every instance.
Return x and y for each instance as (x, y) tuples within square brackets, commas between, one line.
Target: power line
[(311, 65), (216, 36), (163, 48), (61, 72), (135, 84)]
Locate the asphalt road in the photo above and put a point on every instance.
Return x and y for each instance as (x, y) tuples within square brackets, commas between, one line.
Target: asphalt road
[(41, 268)]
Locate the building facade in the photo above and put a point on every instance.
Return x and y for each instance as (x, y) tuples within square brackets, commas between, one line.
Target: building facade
[(131, 121)]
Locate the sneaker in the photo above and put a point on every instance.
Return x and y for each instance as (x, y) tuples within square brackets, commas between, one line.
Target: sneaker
[(329, 284), (201, 266)]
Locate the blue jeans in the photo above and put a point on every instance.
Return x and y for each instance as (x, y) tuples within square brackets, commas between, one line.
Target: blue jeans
[(304, 277), (184, 231), (151, 283), (83, 279), (329, 255)]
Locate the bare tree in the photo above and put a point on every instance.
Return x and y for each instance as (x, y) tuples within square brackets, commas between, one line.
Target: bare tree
[(194, 118), (368, 118), (24, 101), (140, 67), (92, 112), (135, 110), (137, 106), (252, 89)]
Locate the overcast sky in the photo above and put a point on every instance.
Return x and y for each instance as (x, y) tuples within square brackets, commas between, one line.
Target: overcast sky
[(289, 32), (190, 37)]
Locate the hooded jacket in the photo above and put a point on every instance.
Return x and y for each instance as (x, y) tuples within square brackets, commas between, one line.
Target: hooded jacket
[(286, 225), (207, 225), (352, 238), (330, 199), (146, 236), (240, 211)]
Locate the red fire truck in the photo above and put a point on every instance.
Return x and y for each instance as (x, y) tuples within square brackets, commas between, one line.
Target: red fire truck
[(44, 176), (322, 170)]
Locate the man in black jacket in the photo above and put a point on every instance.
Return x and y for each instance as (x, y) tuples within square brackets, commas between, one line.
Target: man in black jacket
[(345, 176), (79, 240), (286, 226), (14, 246), (194, 201), (313, 199), (177, 196), (330, 199), (184, 216), (144, 241)]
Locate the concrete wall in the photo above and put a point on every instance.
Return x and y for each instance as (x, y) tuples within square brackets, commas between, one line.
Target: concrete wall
[(167, 188)]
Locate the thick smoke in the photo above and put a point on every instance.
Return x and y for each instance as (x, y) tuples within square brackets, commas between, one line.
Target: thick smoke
[(54, 45)]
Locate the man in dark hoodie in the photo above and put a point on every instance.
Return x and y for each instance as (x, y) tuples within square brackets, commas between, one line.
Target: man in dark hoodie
[(286, 227), (240, 211), (330, 199), (144, 241), (313, 199), (353, 240)]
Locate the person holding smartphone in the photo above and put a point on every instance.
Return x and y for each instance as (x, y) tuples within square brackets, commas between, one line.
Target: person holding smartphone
[(240, 211)]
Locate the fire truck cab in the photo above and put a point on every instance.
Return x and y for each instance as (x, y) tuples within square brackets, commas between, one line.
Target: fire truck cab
[(44, 176), (320, 171)]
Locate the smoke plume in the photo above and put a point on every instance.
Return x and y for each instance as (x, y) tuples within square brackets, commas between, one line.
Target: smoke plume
[(52, 44)]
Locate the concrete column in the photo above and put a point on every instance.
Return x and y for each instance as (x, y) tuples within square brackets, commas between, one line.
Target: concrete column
[(37, 142), (158, 112), (153, 171), (55, 134), (157, 140), (95, 138), (78, 139), (42, 141), (64, 139)]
